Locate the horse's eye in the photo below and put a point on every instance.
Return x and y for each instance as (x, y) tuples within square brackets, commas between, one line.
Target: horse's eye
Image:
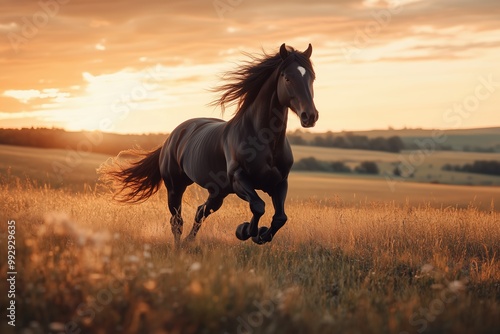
[(286, 79)]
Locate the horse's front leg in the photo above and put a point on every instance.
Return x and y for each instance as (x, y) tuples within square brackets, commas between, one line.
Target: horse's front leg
[(278, 196), (244, 189)]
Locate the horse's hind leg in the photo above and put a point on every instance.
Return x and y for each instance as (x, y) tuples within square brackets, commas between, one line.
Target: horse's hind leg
[(175, 207), (212, 204)]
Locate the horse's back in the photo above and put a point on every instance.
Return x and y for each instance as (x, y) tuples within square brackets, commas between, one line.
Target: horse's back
[(195, 149)]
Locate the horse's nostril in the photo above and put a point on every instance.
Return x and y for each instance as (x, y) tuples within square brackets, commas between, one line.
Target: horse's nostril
[(303, 116)]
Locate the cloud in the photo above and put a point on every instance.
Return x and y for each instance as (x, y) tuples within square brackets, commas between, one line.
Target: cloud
[(104, 37), (25, 96), (193, 30), (22, 96)]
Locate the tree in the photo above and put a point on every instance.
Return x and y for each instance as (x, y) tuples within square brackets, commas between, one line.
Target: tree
[(319, 141), (296, 139), (340, 142), (378, 144), (395, 144), (367, 167), (340, 167), (310, 164)]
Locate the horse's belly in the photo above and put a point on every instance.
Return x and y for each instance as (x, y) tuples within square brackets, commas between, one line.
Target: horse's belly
[(202, 158), (209, 175)]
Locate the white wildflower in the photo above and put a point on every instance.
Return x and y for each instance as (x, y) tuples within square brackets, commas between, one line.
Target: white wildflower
[(195, 266), (456, 286), (427, 268)]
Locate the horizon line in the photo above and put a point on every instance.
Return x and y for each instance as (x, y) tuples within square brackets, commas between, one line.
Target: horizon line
[(307, 131)]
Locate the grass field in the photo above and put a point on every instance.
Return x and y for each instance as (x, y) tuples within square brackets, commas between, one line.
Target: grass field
[(87, 264), (426, 170), (72, 169), (354, 257)]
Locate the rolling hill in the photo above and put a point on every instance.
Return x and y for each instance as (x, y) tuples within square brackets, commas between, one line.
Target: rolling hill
[(69, 170)]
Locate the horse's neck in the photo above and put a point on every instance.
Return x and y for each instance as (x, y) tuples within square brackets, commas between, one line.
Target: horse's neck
[(266, 113)]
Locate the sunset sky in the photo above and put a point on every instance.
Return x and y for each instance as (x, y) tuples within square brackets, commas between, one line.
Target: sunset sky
[(145, 66)]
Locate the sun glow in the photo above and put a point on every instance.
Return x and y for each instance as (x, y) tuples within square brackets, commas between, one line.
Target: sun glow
[(122, 101), (378, 63)]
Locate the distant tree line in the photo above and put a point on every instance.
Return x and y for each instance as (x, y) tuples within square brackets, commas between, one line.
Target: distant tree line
[(491, 149), (113, 143), (109, 143), (488, 167), (351, 141), (95, 142), (312, 164)]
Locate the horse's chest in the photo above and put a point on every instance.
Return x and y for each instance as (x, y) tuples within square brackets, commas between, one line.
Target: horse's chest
[(266, 171)]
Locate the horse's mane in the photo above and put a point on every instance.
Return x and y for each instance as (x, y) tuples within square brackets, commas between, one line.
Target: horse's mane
[(246, 81)]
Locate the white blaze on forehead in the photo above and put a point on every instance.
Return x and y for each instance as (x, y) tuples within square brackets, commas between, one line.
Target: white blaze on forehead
[(302, 70)]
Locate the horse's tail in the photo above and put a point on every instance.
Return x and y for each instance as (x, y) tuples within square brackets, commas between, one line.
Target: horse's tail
[(134, 182)]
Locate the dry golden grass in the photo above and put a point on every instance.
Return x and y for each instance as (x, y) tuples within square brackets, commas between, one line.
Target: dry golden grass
[(354, 190), (87, 264)]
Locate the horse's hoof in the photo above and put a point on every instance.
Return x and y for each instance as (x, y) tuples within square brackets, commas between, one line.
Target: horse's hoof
[(261, 238), (242, 231)]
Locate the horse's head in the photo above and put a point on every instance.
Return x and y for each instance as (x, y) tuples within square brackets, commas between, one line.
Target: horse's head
[(295, 85)]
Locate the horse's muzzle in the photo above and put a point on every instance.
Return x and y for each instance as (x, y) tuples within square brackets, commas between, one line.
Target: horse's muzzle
[(308, 120)]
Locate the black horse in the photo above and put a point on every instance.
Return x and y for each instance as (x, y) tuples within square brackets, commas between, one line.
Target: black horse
[(248, 152)]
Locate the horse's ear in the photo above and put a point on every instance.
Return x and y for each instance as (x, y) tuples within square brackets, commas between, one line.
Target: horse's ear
[(309, 51), (283, 51)]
